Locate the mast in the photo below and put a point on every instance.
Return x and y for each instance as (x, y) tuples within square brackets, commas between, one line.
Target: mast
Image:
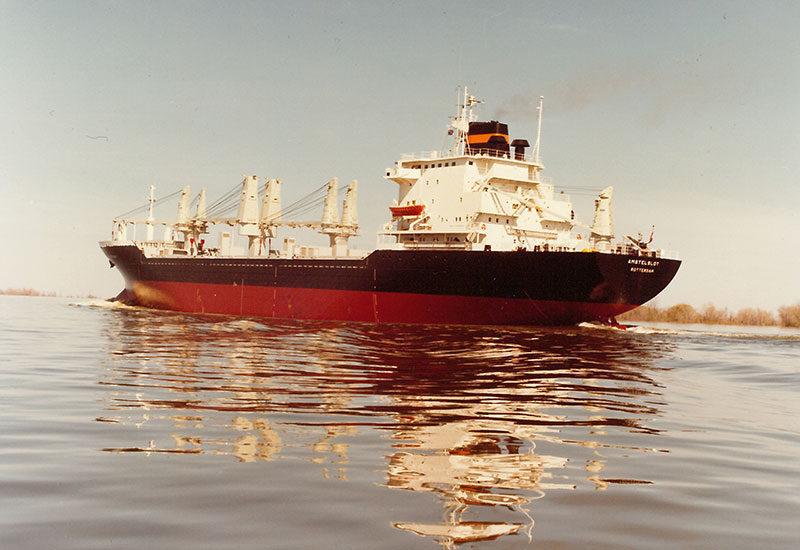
[(339, 231), (330, 213), (183, 220), (199, 224), (183, 206), (538, 131), (247, 218), (460, 124), (603, 224), (349, 212), (461, 121), (201, 205), (150, 214)]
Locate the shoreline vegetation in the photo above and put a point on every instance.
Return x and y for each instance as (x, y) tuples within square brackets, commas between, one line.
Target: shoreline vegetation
[(787, 316)]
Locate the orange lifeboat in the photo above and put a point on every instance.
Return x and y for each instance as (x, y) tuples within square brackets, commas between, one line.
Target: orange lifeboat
[(408, 210)]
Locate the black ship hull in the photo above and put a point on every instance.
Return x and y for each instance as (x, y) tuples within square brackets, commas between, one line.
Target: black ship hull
[(419, 286)]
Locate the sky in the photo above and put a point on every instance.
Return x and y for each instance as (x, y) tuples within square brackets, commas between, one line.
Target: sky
[(691, 110)]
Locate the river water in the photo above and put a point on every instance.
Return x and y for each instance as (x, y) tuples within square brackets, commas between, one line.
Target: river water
[(129, 428)]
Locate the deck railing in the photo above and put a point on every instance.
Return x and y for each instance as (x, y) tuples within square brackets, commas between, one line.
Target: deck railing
[(440, 155)]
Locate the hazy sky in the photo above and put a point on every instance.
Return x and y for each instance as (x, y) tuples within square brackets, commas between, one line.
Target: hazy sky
[(690, 110)]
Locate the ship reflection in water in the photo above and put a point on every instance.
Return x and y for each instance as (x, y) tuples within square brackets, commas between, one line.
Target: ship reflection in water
[(483, 420)]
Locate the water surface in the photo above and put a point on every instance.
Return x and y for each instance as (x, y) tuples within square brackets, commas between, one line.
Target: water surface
[(124, 428)]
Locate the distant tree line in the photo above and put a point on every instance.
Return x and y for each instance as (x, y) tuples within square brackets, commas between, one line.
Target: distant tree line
[(25, 292), (788, 316), (34, 292)]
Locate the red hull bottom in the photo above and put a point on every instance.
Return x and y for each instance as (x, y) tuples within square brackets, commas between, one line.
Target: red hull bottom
[(370, 307)]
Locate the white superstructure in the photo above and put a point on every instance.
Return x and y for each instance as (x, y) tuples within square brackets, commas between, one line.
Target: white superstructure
[(485, 193)]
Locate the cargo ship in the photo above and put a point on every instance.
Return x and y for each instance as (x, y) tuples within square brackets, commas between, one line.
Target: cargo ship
[(476, 236)]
